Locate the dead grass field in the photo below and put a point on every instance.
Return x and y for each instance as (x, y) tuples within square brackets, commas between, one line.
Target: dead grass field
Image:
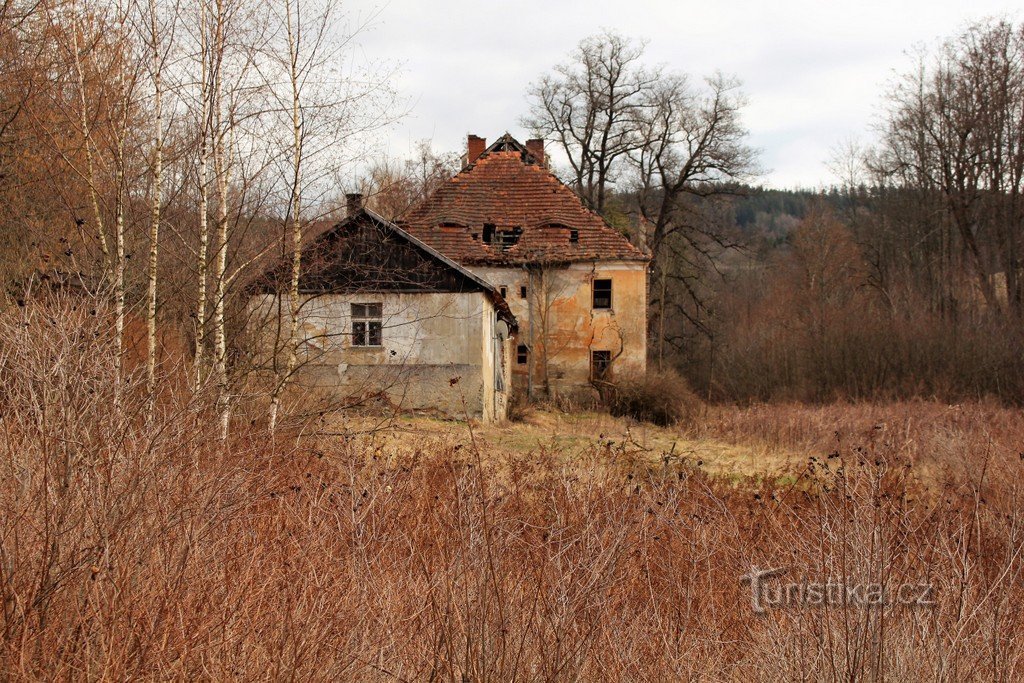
[(575, 548), (570, 436), (770, 442)]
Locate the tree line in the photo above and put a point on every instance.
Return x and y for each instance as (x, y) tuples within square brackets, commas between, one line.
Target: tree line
[(903, 279)]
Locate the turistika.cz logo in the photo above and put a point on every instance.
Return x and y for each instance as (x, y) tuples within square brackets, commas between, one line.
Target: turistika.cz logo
[(766, 592)]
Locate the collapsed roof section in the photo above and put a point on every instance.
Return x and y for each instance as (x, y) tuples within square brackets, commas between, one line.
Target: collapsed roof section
[(506, 208)]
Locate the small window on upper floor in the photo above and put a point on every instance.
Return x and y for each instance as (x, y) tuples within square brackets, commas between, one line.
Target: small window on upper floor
[(367, 325), (602, 294), (522, 354), (574, 236), (503, 291), (488, 233), (522, 292)]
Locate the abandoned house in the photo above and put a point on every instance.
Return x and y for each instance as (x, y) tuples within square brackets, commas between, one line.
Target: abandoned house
[(577, 286), (500, 279), (385, 317)]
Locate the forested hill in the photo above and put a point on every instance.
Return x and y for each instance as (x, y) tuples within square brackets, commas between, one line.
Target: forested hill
[(772, 214)]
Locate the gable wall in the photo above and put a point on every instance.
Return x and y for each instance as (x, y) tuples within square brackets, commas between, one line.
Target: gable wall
[(429, 339), (557, 320)]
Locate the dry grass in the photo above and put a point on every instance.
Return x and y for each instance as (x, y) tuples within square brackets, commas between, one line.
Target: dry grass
[(559, 550), (568, 437)]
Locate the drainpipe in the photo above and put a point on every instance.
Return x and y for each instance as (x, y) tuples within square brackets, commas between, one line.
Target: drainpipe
[(529, 335)]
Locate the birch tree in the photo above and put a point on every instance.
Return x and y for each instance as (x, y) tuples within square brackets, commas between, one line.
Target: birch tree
[(159, 36), (323, 111)]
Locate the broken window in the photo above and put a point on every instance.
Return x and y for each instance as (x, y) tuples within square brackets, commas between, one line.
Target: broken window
[(602, 293), (367, 324), (522, 354), (600, 362), (488, 233), (506, 238)]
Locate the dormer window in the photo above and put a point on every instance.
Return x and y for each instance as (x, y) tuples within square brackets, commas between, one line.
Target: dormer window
[(507, 238), (574, 236)]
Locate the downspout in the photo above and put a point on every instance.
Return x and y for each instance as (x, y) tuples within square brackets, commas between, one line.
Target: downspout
[(529, 334)]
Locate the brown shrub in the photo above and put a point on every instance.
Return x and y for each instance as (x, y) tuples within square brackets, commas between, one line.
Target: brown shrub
[(662, 398), (132, 549), (519, 407)]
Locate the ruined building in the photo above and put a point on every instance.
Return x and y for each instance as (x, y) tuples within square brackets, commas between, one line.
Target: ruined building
[(501, 279), (577, 286), (388, 319)]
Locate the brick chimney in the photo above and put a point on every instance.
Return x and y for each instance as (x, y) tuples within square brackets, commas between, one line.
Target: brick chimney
[(475, 146), (353, 203), (536, 148)]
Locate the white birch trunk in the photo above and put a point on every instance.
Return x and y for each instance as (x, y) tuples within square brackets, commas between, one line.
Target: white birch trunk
[(204, 205), (295, 208), (154, 228)]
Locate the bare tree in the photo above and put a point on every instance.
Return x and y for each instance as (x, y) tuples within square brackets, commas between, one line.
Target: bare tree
[(158, 35), (322, 113), (675, 146), (304, 40), (591, 108), (393, 186), (693, 144), (955, 129)]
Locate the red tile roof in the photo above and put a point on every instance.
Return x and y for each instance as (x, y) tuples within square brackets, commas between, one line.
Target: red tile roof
[(505, 187)]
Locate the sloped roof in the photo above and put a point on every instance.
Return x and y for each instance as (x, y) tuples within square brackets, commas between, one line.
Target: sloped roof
[(507, 188), (367, 253)]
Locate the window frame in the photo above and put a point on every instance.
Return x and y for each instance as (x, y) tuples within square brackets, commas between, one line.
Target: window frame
[(594, 294), (370, 318), (522, 354), (606, 361)]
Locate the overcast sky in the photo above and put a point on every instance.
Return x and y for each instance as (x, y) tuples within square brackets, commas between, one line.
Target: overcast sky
[(814, 71)]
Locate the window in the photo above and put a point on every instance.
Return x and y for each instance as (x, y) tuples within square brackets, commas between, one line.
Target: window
[(600, 361), (488, 233), (504, 292), (602, 293), (522, 292), (574, 236), (366, 324), (522, 353), (507, 238)]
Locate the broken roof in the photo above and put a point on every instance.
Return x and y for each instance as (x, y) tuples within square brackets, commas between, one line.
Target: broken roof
[(507, 208)]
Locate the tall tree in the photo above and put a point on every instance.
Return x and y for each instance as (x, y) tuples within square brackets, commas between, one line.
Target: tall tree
[(955, 129), (671, 145), (590, 106)]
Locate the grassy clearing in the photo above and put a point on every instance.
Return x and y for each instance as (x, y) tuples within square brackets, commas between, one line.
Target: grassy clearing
[(570, 437)]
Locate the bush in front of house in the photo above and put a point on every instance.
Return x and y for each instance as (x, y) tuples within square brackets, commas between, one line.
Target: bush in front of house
[(661, 397)]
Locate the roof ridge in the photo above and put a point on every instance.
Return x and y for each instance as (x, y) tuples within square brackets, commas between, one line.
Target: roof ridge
[(506, 187)]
